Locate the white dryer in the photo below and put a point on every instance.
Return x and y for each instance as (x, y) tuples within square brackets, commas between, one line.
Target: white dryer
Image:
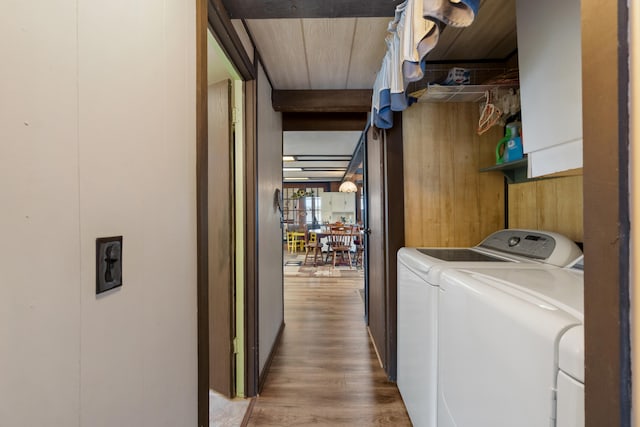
[(419, 271), (511, 348)]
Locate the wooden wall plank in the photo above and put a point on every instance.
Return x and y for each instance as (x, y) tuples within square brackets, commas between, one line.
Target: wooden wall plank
[(551, 204), (522, 206), (570, 207), (448, 202)]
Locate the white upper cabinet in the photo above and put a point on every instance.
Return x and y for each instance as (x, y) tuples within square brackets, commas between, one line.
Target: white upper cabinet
[(549, 56), (336, 206)]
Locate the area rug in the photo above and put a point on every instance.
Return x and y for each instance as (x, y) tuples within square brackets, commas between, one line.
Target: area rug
[(294, 267)]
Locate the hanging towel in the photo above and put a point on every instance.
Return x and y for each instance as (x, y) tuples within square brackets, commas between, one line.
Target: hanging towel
[(457, 13), (419, 36), (381, 114), (393, 41), (398, 97), (413, 33)]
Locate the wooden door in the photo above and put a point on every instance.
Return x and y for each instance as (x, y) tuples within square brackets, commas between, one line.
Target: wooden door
[(221, 226), (375, 219), (385, 222)]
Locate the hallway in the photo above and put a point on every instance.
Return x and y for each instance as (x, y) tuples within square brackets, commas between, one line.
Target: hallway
[(325, 371)]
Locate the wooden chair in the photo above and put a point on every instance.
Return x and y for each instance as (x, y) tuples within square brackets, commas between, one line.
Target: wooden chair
[(358, 241), (340, 243), (313, 244)]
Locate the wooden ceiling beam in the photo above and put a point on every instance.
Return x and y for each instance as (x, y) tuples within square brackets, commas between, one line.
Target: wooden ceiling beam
[(322, 101), (269, 9), (323, 121)]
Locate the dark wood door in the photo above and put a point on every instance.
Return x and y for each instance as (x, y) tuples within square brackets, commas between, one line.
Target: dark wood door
[(385, 222), (221, 239), (375, 212)]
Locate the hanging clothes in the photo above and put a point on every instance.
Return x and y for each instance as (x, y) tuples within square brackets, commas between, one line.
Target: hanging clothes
[(413, 33), (419, 37), (457, 13), (381, 114)]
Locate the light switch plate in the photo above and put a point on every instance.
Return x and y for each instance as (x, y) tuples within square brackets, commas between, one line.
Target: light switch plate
[(108, 263)]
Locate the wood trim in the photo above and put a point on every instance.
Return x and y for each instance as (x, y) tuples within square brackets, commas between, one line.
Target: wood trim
[(356, 163), (322, 101), (251, 331), (267, 364), (606, 238), (394, 224), (323, 121), (247, 415), (226, 35), (265, 9), (569, 172), (202, 213)]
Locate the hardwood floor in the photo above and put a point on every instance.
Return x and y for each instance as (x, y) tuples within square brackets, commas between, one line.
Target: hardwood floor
[(326, 372)]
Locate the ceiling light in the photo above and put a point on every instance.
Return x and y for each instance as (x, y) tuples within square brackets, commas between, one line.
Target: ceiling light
[(288, 158), (300, 178), (348, 187), (292, 169)]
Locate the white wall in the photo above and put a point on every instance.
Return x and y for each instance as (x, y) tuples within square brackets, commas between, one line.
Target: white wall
[(271, 310), (97, 138)]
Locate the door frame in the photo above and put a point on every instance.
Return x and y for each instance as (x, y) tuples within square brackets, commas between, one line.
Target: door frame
[(605, 70), (211, 14)]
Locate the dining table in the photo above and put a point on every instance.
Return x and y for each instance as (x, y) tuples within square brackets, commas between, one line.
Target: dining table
[(323, 234)]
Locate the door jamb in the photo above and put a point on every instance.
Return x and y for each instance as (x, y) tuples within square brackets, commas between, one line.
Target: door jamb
[(211, 14)]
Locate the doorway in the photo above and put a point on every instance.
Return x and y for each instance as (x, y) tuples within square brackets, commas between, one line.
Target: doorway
[(315, 164)]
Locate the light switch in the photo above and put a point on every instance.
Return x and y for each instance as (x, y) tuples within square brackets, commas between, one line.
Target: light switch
[(108, 263)]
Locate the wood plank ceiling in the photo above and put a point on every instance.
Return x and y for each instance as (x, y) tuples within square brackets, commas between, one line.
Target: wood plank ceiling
[(320, 45), (307, 44)]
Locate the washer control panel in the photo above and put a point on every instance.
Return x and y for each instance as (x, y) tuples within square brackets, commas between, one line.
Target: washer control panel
[(530, 244), (545, 246)]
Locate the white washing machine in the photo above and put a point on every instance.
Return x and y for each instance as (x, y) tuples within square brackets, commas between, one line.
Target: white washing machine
[(511, 348), (419, 271)]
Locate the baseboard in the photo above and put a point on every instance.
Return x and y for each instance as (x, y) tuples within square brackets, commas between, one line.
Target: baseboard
[(247, 415), (267, 365), (373, 343)]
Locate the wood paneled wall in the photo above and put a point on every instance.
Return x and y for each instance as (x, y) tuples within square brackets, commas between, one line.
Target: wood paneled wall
[(448, 202), (550, 204)]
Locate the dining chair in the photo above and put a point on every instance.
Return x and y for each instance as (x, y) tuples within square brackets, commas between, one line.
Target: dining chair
[(358, 241), (313, 244), (295, 241), (340, 243)]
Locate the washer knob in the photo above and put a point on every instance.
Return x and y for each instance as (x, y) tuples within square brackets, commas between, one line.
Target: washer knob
[(513, 241)]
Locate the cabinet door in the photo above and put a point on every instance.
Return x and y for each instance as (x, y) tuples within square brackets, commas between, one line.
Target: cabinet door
[(325, 207), (350, 202), (549, 56)]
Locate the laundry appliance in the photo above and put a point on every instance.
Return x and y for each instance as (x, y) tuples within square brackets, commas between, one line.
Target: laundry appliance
[(419, 271), (511, 347)]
